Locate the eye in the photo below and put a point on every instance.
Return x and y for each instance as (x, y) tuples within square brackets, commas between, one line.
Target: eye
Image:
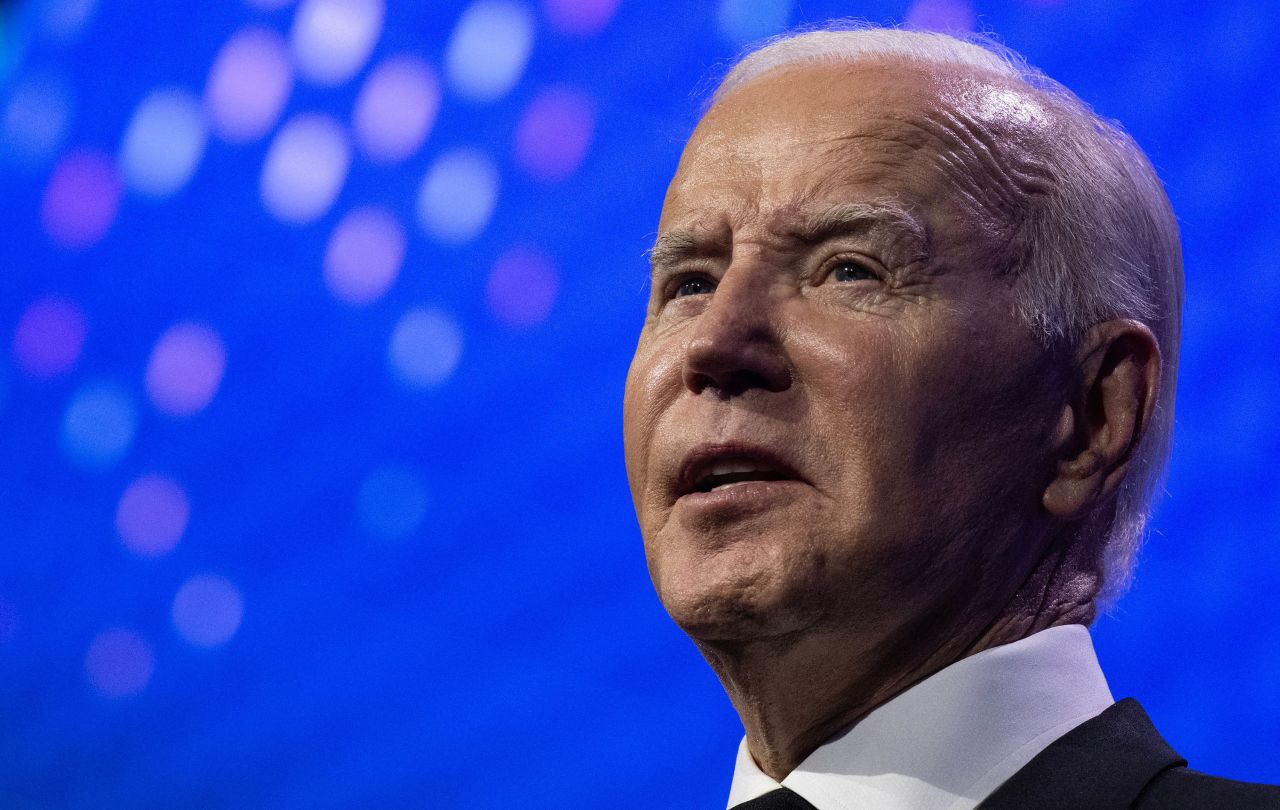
[(694, 285), (850, 270)]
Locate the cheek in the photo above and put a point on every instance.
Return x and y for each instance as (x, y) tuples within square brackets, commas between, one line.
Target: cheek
[(954, 422), (867, 394), (653, 381), (907, 413)]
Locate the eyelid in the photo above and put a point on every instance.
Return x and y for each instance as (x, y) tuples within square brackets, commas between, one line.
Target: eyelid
[(669, 279), (828, 266)]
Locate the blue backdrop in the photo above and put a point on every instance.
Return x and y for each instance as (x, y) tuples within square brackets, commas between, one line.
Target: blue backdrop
[(315, 320)]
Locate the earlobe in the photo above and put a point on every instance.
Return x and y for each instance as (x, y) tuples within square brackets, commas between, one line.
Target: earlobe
[(1118, 379), (1074, 492), (1070, 494)]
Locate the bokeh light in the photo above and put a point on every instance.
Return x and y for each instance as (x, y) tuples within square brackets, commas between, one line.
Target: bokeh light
[(249, 83), (185, 369), (363, 256), (163, 143), (392, 502), (554, 133), (488, 49), (66, 19), (332, 39), (49, 337), (579, 17), (152, 515), (98, 426), (35, 120), (457, 196), (298, 409), (119, 663), (949, 16), (81, 200), (425, 348), (522, 287), (395, 109), (305, 168), (745, 21), (207, 610)]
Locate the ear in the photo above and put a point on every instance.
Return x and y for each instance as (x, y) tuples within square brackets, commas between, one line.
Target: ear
[(1116, 384)]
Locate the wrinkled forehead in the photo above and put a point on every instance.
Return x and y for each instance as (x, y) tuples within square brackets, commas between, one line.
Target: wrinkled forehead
[(917, 132)]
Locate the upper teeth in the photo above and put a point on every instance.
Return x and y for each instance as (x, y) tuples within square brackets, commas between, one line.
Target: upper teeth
[(726, 467)]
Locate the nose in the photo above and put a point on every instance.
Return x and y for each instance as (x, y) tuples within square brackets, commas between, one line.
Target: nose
[(736, 346)]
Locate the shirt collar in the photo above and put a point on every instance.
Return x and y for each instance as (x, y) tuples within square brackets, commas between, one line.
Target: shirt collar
[(952, 739)]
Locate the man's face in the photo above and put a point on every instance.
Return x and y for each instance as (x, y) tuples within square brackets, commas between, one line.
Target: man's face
[(833, 417)]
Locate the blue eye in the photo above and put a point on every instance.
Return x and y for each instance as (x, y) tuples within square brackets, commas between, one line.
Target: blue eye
[(697, 285), (852, 271)]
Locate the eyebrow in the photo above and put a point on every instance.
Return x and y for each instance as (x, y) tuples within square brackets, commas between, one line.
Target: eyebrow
[(848, 219), (674, 247), (843, 219)]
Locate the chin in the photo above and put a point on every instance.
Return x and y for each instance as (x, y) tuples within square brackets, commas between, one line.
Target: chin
[(735, 595)]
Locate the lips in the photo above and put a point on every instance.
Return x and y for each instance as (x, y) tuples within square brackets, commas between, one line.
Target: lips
[(711, 468)]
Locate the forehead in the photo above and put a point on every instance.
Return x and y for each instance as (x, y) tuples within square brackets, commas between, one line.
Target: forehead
[(925, 136)]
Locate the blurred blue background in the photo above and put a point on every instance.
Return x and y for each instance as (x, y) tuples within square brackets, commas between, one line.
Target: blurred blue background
[(315, 321)]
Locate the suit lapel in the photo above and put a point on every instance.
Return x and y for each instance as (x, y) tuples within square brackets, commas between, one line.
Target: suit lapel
[(1103, 763)]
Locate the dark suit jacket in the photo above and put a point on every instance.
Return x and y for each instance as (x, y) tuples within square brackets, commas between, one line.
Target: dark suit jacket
[(1118, 760)]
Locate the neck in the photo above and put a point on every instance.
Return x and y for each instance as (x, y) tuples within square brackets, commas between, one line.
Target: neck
[(795, 693)]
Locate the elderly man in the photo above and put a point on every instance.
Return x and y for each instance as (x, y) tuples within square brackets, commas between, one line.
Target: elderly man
[(902, 397)]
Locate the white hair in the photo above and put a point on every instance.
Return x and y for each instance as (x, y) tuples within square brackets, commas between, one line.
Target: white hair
[(1103, 246)]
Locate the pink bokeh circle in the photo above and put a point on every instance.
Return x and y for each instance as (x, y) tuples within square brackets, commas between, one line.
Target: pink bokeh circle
[(49, 337), (185, 369)]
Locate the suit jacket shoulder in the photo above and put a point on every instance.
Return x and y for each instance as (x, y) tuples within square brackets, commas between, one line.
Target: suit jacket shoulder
[(1179, 788), (1117, 761)]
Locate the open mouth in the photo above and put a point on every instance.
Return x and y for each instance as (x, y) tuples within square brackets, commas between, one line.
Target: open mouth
[(728, 473), (716, 468)]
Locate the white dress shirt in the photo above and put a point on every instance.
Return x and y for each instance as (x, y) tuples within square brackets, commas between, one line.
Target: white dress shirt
[(949, 741)]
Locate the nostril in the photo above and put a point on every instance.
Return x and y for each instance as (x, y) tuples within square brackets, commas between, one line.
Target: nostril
[(733, 383), (731, 371)]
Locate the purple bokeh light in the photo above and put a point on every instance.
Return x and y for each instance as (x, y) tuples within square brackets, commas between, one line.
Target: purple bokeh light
[(248, 85), (554, 133), (119, 663), (81, 200), (948, 16), (396, 108), (364, 255), (579, 17), (522, 287), (185, 369), (49, 337), (152, 515), (207, 610)]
